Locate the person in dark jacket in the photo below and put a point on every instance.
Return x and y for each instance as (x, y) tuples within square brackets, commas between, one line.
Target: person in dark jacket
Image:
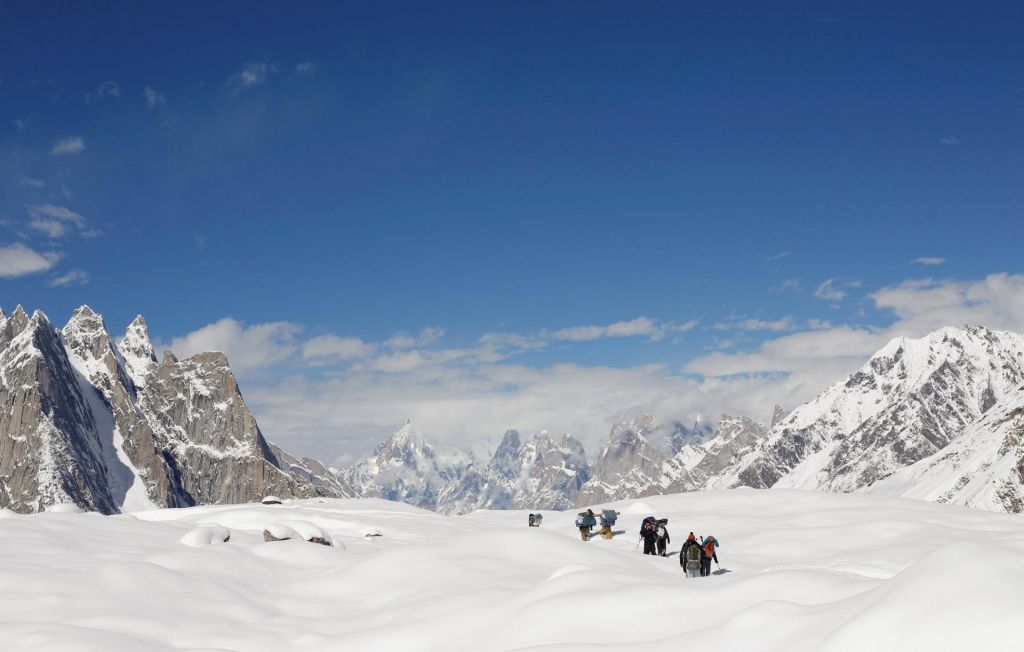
[(663, 539), (650, 537), (708, 552), (691, 542)]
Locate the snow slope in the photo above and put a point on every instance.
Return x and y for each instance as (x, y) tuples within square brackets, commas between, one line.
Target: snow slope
[(983, 468), (800, 571)]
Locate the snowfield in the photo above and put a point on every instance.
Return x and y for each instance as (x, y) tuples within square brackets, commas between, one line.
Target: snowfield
[(799, 571)]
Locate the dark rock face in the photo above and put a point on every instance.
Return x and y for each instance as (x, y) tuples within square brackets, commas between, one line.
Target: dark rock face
[(87, 421)]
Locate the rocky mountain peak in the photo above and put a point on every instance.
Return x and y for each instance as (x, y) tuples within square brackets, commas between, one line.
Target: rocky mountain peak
[(137, 351), (778, 414)]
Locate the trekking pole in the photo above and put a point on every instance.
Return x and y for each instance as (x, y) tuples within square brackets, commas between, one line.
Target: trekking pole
[(637, 546)]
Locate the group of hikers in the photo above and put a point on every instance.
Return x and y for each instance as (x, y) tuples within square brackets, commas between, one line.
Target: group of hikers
[(695, 557)]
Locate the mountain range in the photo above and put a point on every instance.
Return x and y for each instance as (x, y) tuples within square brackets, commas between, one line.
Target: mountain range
[(104, 424)]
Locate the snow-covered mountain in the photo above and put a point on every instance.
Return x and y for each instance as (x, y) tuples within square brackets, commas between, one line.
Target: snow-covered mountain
[(86, 420), (539, 473), (909, 401), (408, 469), (982, 468)]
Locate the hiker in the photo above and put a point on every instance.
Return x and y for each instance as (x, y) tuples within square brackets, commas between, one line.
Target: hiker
[(586, 521), (707, 554), (608, 518), (650, 535), (535, 519), (663, 538), (690, 556)]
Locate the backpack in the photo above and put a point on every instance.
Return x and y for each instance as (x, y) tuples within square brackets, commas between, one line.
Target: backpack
[(709, 547), (693, 553), (662, 533)]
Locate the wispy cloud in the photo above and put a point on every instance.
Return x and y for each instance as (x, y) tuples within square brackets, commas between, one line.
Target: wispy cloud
[(53, 220), (928, 260), (153, 97), (950, 140), (778, 256), (834, 289), (31, 182), (19, 260), (784, 324), (103, 91), (787, 285), (307, 68), (337, 348), (74, 277), (252, 74), (639, 327), (65, 146)]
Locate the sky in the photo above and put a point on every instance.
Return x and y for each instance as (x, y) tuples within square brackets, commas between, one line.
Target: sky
[(535, 215)]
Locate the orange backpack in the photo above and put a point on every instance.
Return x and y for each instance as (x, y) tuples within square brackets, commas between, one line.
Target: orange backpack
[(709, 547)]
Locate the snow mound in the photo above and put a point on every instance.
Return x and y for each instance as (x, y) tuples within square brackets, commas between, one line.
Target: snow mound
[(271, 500), (65, 508), (206, 535), (7, 513), (280, 532), (638, 507)]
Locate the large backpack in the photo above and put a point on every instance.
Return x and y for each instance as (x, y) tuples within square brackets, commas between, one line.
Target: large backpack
[(709, 547), (693, 553)]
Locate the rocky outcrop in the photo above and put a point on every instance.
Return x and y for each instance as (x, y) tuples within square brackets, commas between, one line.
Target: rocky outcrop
[(100, 424)]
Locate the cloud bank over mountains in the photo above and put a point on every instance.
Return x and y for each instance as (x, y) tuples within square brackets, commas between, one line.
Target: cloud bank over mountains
[(337, 394)]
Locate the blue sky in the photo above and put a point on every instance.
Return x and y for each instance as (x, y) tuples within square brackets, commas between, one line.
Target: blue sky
[(542, 215)]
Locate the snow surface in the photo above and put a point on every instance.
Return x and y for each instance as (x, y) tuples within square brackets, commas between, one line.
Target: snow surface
[(799, 571)]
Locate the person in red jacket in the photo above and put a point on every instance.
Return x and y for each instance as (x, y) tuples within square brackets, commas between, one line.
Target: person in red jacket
[(708, 552)]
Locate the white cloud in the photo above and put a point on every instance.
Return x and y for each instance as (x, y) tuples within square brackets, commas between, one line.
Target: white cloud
[(251, 75), (784, 324), (786, 285), (18, 260), (834, 289), (53, 220), (639, 327), (153, 97), (74, 277), (337, 348), (104, 90), (950, 140), (778, 256), (250, 349), (928, 260), (31, 182), (65, 146), (305, 68)]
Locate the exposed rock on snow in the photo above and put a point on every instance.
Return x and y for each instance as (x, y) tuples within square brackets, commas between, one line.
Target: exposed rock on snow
[(279, 532), (299, 530), (271, 500)]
